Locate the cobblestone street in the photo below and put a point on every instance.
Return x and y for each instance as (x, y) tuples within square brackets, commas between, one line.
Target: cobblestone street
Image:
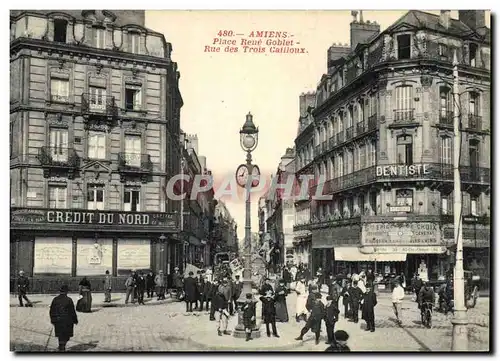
[(166, 327)]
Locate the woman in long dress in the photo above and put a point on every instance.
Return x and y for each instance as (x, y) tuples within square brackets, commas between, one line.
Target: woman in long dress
[(301, 290), (280, 297), (84, 288)]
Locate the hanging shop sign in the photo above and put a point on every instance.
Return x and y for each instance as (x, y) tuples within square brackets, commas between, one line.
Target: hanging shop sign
[(401, 234), (64, 217)]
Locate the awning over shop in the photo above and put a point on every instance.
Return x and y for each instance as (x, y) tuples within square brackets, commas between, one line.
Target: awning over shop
[(353, 254)]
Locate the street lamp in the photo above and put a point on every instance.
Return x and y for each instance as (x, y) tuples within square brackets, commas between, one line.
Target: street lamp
[(247, 177)]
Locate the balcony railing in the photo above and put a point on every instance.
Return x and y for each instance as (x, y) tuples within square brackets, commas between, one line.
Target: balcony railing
[(134, 162), (340, 138), (58, 157), (404, 115), (98, 104), (349, 133), (446, 118), (372, 122), (59, 98), (475, 122), (360, 128), (331, 142)]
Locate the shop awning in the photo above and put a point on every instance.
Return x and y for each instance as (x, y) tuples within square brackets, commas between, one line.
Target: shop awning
[(352, 254)]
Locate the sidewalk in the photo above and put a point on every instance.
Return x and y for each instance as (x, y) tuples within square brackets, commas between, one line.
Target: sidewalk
[(117, 300)]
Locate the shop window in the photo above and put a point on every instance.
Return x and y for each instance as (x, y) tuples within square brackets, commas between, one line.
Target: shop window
[(57, 196), (133, 254), (404, 197), (405, 149), (97, 145), (404, 46), (58, 139), (373, 202), (95, 197), (60, 30), (59, 90), (93, 256), (446, 150), (53, 255), (133, 97), (361, 203), (350, 205)]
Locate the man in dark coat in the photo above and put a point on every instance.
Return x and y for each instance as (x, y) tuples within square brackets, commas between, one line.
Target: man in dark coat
[(190, 291), (213, 296), (200, 285), (135, 276), (368, 312), (287, 276), (63, 317), (177, 281), (340, 343), (249, 315), (314, 321), (345, 299), (269, 310), (236, 290), (311, 298), (370, 277), (23, 284), (355, 297), (150, 284), (206, 295), (141, 287), (220, 304), (331, 318)]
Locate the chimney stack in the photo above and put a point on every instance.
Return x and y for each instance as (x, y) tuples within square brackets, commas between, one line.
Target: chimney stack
[(362, 31), (444, 18), (474, 19)]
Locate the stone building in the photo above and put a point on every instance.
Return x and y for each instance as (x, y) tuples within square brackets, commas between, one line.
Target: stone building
[(225, 236), (93, 94), (381, 146)]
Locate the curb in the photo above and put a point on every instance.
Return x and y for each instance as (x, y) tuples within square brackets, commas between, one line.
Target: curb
[(113, 304), (251, 347)]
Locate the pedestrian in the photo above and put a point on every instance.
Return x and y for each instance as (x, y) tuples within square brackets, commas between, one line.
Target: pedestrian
[(84, 291), (206, 294), (287, 276), (340, 342), (220, 305), (200, 285), (355, 297), (160, 285), (63, 317), (370, 278), (293, 273), (269, 309), (314, 283), (345, 299), (190, 291), (300, 290), (248, 316), (178, 282), (280, 297), (335, 290), (314, 321), (150, 284), (135, 276), (320, 277), (311, 298), (225, 288), (331, 318), (236, 291), (129, 287), (368, 312), (213, 295), (23, 284), (417, 286), (107, 287), (231, 291), (398, 294), (141, 288)]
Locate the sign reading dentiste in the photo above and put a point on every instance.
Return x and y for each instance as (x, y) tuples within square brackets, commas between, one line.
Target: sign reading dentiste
[(402, 170), (401, 234)]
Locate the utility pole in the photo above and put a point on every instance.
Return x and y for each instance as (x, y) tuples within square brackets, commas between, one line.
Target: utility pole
[(460, 340)]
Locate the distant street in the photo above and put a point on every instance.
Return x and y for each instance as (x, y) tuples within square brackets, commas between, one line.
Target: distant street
[(165, 327)]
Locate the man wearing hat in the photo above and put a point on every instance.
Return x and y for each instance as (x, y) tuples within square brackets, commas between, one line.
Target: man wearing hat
[(249, 316), (331, 317), (177, 280), (236, 291), (340, 343), (300, 306), (63, 317), (190, 291), (160, 285), (23, 284), (314, 321), (269, 311)]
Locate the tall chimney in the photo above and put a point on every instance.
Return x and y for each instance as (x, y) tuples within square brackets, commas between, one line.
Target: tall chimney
[(362, 31), (444, 18)]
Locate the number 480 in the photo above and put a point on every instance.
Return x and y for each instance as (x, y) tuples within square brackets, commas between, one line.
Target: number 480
[(225, 33)]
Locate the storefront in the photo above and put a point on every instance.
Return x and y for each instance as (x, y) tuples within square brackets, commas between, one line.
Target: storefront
[(61, 246), (302, 247)]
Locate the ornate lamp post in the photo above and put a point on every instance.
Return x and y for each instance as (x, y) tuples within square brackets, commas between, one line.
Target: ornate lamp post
[(247, 177)]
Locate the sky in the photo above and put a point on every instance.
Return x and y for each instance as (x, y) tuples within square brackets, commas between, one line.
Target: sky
[(219, 89)]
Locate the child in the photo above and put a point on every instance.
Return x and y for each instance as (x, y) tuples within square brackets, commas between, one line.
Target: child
[(314, 321), (269, 310), (249, 315), (331, 317)]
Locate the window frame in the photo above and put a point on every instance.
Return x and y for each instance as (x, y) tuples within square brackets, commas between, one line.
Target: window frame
[(95, 147), (446, 151), (135, 42), (405, 198), (58, 144), (132, 155), (136, 97), (400, 48), (57, 201), (129, 190), (62, 95), (95, 96), (405, 144), (56, 23), (94, 188)]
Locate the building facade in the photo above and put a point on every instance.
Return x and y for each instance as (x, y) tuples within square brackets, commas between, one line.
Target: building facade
[(92, 94), (225, 236), (381, 146)]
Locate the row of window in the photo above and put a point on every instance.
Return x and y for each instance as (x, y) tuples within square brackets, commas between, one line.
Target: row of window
[(99, 36), (96, 146), (59, 92), (58, 196)]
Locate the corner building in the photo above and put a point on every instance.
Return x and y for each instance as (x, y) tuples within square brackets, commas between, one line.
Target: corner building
[(92, 93), (382, 137)]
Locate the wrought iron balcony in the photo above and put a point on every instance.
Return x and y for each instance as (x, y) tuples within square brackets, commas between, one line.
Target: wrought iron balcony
[(349, 133), (475, 122), (331, 142), (98, 105), (59, 157), (360, 128), (134, 163), (340, 138), (372, 122), (446, 118), (404, 116)]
